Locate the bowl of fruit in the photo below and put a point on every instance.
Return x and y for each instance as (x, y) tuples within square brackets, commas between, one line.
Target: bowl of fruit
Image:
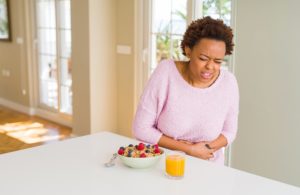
[(140, 156)]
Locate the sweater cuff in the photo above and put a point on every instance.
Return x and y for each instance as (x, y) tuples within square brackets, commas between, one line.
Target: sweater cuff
[(156, 137), (151, 135), (229, 136)]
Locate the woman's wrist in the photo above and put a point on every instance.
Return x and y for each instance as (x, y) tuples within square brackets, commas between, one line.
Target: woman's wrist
[(173, 144), (186, 148), (190, 150)]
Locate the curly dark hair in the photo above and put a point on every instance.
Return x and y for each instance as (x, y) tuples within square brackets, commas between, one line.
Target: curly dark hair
[(207, 27)]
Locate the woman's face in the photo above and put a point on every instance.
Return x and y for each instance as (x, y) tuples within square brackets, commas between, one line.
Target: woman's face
[(206, 58)]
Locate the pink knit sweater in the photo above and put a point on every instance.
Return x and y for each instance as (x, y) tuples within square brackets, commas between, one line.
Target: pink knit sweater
[(171, 106)]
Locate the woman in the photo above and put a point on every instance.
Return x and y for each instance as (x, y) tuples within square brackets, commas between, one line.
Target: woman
[(192, 106)]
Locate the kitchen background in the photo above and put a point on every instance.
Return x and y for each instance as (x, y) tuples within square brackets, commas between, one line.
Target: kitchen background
[(85, 68)]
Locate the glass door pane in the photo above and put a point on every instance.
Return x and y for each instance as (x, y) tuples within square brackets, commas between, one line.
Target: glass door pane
[(218, 9), (66, 86), (48, 80), (46, 31), (65, 56), (169, 21), (54, 52)]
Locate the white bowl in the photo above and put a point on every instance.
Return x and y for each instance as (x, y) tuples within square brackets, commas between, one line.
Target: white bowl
[(140, 163)]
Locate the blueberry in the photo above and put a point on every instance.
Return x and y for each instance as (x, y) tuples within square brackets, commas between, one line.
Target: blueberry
[(130, 145), (148, 146), (147, 151)]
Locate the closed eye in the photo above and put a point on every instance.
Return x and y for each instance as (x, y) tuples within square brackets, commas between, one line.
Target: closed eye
[(218, 61), (203, 59)]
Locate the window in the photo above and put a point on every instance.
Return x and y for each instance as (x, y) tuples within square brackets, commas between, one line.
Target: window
[(54, 51), (169, 20)]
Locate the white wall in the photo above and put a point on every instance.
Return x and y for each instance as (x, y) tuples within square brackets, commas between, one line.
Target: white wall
[(81, 67), (94, 66), (267, 68), (13, 58), (103, 69), (125, 66)]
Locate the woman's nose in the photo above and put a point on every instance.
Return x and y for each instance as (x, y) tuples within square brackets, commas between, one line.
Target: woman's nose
[(210, 64)]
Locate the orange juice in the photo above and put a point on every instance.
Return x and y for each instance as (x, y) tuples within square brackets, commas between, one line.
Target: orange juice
[(175, 165)]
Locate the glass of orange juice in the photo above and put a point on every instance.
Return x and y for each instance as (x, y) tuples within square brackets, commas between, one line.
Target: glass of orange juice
[(175, 162)]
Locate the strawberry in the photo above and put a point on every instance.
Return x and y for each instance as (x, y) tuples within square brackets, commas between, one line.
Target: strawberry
[(141, 146), (120, 151), (156, 150), (143, 155)]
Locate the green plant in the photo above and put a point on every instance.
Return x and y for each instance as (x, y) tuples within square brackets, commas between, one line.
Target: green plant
[(222, 8), (3, 21), (3, 26), (164, 41)]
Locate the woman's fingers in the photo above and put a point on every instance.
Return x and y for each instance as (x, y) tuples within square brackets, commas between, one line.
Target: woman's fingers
[(199, 150), (209, 157), (210, 154)]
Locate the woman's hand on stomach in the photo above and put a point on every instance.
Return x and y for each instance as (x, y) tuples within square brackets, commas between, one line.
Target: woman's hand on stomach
[(199, 150)]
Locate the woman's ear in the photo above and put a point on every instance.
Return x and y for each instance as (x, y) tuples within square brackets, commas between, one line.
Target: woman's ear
[(187, 51)]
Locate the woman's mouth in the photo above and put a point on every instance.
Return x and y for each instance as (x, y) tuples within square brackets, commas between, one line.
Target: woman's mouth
[(206, 75)]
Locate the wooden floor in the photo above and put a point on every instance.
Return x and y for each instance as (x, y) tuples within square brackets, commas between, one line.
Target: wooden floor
[(19, 131)]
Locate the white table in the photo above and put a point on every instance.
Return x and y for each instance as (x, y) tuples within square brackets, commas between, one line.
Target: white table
[(75, 166)]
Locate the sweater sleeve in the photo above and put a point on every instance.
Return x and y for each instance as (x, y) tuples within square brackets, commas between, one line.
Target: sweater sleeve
[(151, 104), (231, 121)]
